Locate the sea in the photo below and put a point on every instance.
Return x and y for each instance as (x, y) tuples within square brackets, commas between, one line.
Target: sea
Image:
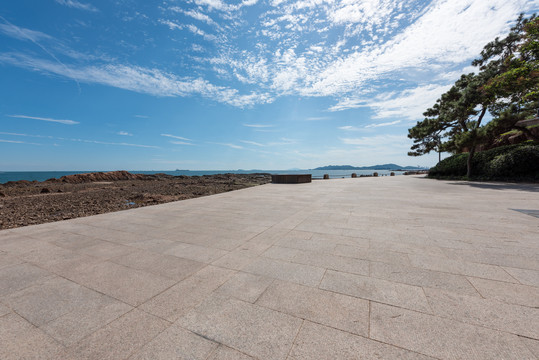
[(6, 176)]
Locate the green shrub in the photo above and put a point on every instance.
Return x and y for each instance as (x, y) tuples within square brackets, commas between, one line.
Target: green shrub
[(511, 162)]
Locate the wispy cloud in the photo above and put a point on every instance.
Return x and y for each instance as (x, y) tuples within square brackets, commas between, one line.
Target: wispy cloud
[(20, 33), (124, 133), (382, 124), (252, 143), (77, 140), (139, 79), (77, 5), (318, 118), (65, 122), (258, 126), (176, 137), (142, 116), (349, 128), (230, 145), (17, 142), (180, 142)]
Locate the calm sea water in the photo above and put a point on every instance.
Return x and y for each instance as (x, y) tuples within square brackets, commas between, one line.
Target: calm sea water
[(316, 174)]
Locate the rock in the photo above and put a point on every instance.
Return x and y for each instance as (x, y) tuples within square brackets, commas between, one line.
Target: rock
[(2, 194), (45, 190)]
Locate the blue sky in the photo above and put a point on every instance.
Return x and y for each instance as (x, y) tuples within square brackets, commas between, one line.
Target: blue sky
[(209, 84)]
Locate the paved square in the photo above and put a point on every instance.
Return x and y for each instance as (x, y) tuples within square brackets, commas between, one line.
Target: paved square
[(365, 268)]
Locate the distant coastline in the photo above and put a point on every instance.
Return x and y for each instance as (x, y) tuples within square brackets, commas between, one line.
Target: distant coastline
[(393, 167)]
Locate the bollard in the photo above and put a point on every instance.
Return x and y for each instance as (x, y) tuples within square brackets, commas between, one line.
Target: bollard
[(392, 174), (375, 174), (354, 175), (326, 176)]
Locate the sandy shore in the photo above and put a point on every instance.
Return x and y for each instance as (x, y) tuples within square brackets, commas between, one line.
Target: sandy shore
[(25, 203)]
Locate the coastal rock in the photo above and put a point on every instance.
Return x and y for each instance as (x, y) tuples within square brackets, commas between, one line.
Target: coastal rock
[(101, 176)]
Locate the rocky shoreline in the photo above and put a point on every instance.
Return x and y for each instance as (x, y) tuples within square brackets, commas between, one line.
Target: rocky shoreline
[(31, 202)]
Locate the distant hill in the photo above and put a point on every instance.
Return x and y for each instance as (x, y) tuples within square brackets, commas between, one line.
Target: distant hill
[(373, 167)]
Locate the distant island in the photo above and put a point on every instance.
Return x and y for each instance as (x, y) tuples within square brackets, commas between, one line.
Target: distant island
[(373, 167)]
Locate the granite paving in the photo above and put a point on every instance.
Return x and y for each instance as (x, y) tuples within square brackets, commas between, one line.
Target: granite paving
[(399, 267)]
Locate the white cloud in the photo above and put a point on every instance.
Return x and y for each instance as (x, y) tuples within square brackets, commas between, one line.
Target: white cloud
[(181, 143), (22, 33), (252, 143), (124, 133), (382, 124), (230, 145), (139, 79), (65, 122), (17, 142), (77, 5), (176, 137), (318, 118), (258, 125)]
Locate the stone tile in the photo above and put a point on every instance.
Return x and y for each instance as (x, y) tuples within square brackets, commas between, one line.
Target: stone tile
[(176, 343), (525, 276), (251, 329), (460, 267), (507, 292), (519, 320), (106, 250), (198, 253), (4, 310), (73, 241), (390, 257), (226, 353), (516, 261), (244, 286), (180, 298), (323, 343), (8, 260), (312, 244), (16, 277), (281, 253), (301, 274), (163, 265), (58, 260), (120, 338), (533, 345), (339, 311), (21, 340), (333, 262), (126, 284), (236, 260), (388, 292), (424, 278), (442, 338)]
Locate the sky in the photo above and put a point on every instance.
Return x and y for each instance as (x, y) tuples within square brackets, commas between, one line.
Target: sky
[(243, 84)]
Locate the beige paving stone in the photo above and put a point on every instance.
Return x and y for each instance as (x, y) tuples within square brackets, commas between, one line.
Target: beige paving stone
[(333, 262), (507, 292), (120, 338), (4, 310), (21, 340), (301, 274), (176, 343), (180, 298), (106, 250), (336, 310), (236, 260), (516, 261), (8, 260), (525, 276), (251, 329), (126, 284), (163, 265), (312, 244), (461, 267), (198, 253), (244, 286), (533, 345), (316, 341), (442, 338), (516, 319), (407, 296), (16, 277), (420, 277), (390, 257), (281, 253), (58, 260), (226, 353), (73, 241)]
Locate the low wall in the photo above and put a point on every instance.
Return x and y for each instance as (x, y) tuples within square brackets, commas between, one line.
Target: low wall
[(291, 179)]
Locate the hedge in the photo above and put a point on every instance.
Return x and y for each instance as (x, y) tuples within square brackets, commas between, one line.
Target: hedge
[(511, 162)]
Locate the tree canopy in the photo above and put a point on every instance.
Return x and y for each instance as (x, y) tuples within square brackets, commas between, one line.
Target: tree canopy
[(505, 85)]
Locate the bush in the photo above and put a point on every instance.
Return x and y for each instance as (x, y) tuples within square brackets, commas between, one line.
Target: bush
[(511, 162)]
